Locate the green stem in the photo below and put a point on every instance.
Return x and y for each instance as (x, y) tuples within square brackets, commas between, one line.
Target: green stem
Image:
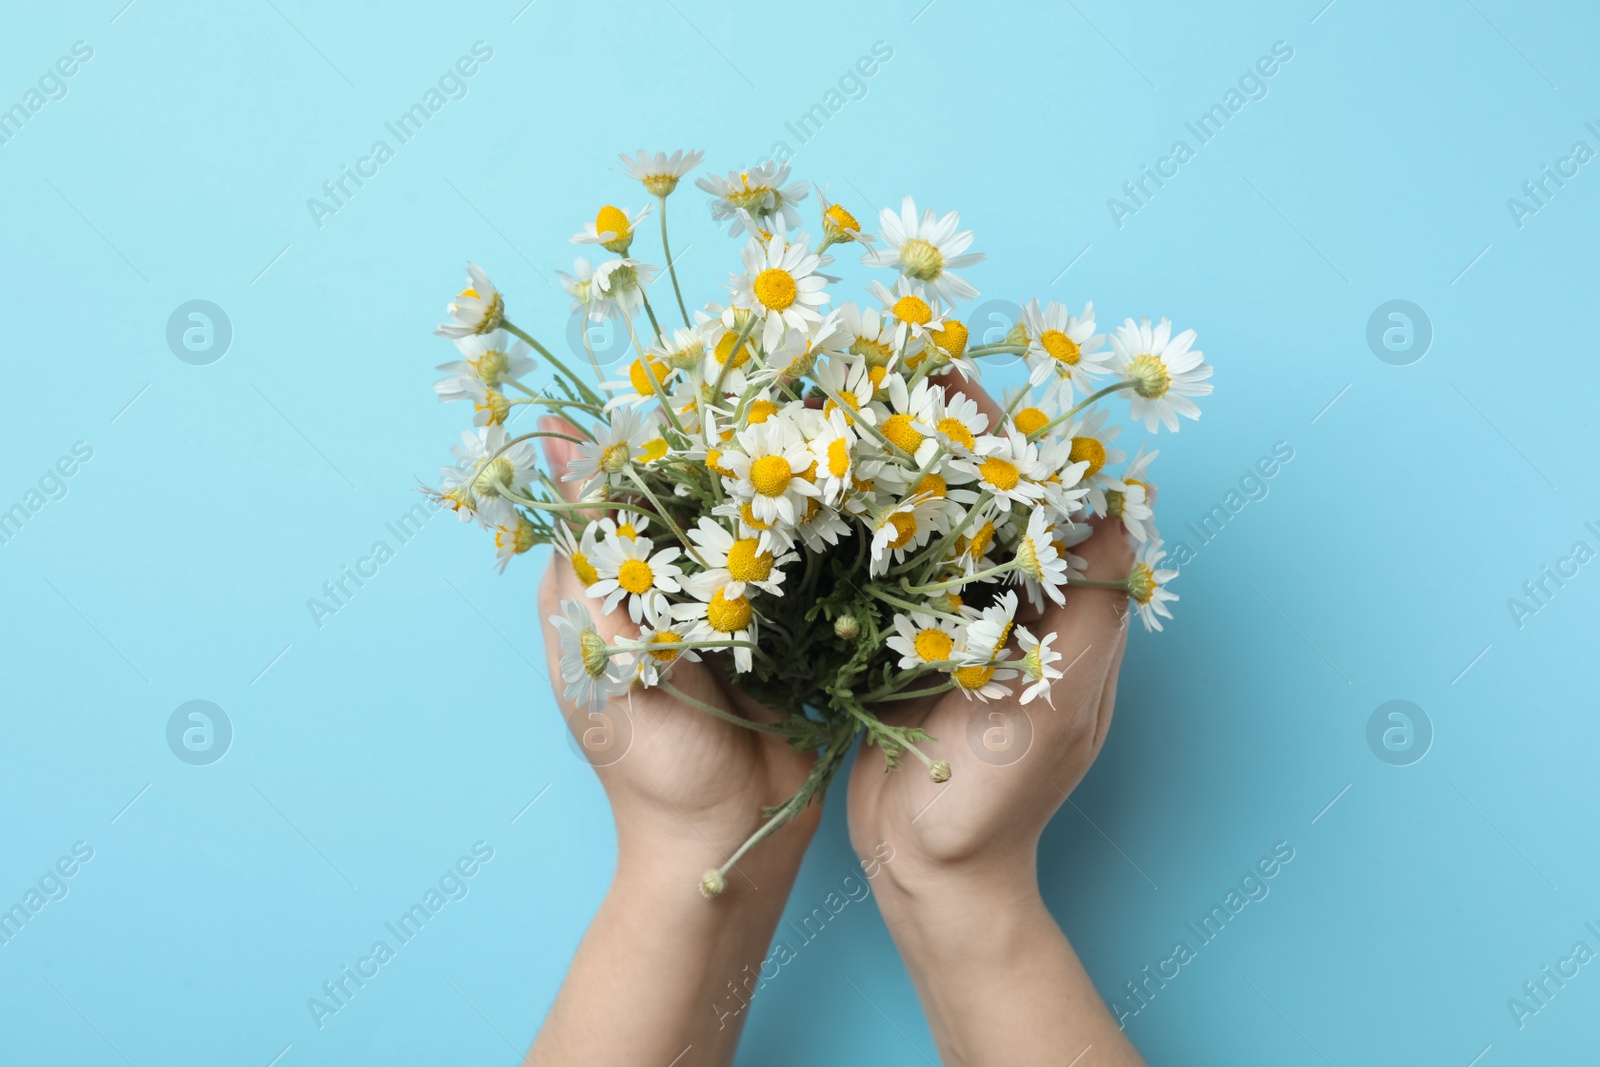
[(666, 250), (588, 394), (725, 716), (666, 517), (1085, 402), (953, 583)]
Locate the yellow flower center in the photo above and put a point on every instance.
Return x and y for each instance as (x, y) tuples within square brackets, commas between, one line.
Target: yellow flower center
[(1142, 584), (725, 348), (921, 260), (770, 475), (653, 450), (933, 645), (876, 375), (584, 569), (628, 530), (1087, 448), (612, 220), (850, 402), (640, 377), (973, 677), (1030, 420), (1149, 376), (957, 431), (635, 576), (775, 288), (981, 541), (905, 528), (760, 411), (666, 637), (746, 564), (726, 615), (952, 339), (842, 218), (712, 458), (747, 515), (469, 291), (1060, 347), (838, 457), (898, 429), (914, 309), (875, 352), (999, 473), (931, 486)]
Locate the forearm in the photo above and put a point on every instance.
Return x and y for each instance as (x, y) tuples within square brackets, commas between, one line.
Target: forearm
[(998, 979), (660, 976)]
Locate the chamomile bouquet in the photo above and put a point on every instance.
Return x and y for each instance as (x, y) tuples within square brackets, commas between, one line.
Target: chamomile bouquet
[(806, 488)]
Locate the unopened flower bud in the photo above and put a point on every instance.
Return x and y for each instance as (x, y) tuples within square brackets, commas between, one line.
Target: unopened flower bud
[(847, 627), (712, 884), (939, 771)]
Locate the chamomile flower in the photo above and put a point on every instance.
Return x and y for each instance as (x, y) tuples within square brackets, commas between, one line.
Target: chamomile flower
[(1039, 566), (615, 449), (1006, 467), (769, 471), (868, 333), (985, 681), (838, 225), (720, 614), (632, 569), (782, 286), (914, 312), (488, 405), (735, 562), (618, 287), (1147, 585), (579, 552), (897, 532), (1131, 504), (652, 663), (823, 530), (1063, 349), (580, 286), (648, 378), (586, 666), (681, 349), (927, 250), (1167, 372), (612, 229), (760, 192), (513, 535), (921, 639), (479, 308), (660, 173), (492, 358), (963, 428), (1037, 657), (488, 471), (847, 381), (1091, 442), (834, 449)]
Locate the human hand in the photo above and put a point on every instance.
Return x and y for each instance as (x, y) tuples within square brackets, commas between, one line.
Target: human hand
[(998, 980)]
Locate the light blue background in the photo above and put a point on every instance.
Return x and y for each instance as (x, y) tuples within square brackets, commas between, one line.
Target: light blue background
[(370, 753)]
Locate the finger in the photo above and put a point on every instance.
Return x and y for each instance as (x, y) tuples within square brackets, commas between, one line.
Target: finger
[(952, 382), (1092, 621), (1108, 696), (558, 452)]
